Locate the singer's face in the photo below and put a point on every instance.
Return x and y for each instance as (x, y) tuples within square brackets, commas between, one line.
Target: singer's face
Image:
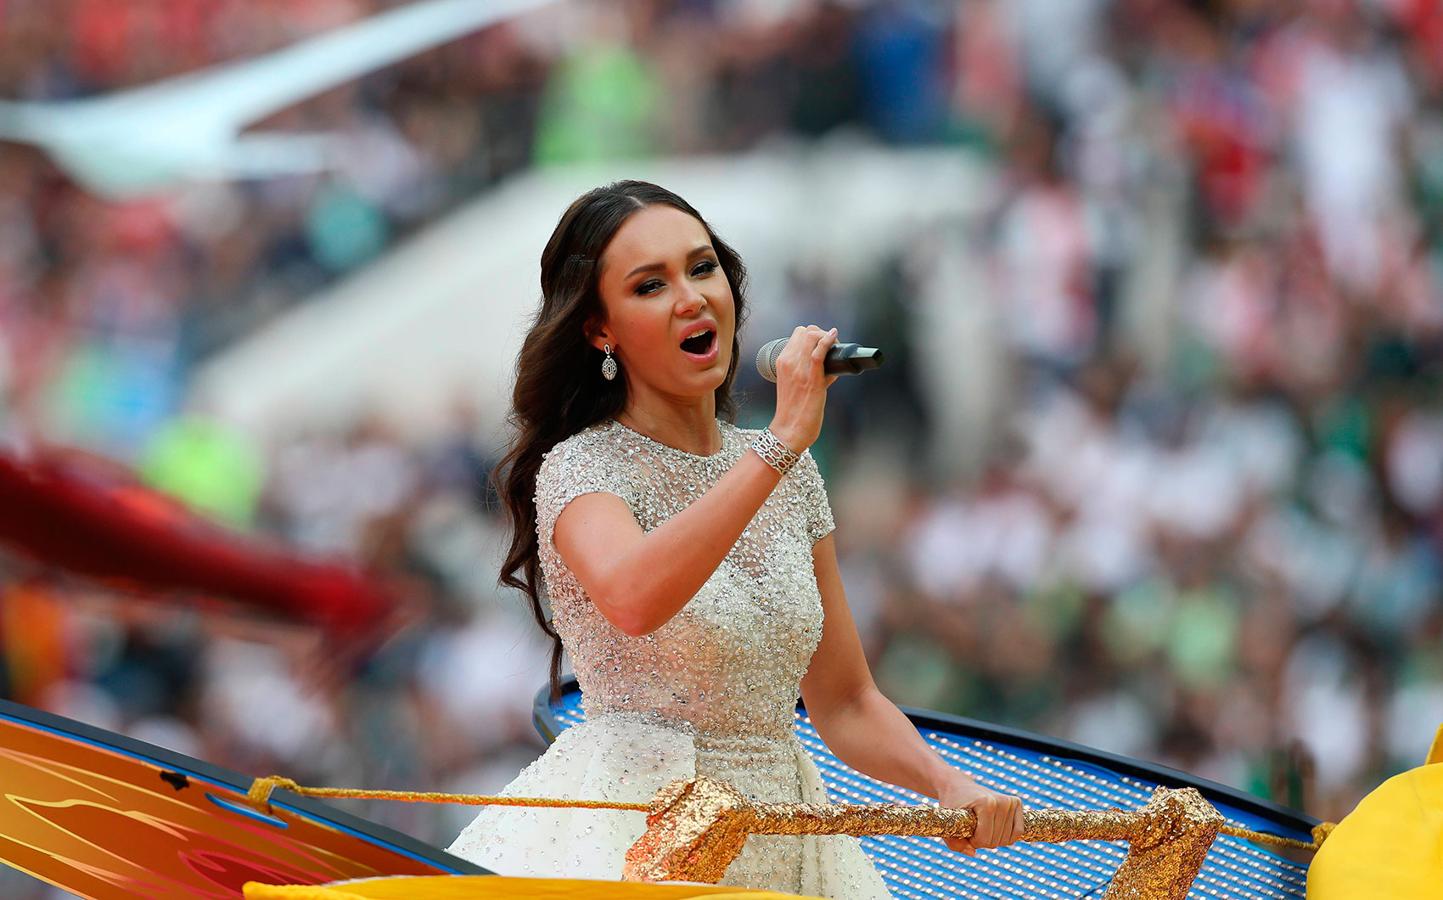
[(660, 284)]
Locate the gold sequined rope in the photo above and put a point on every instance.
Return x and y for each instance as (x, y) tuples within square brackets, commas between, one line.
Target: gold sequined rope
[(260, 793), (696, 828)]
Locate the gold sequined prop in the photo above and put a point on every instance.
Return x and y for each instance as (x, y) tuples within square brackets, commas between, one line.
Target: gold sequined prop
[(695, 829)]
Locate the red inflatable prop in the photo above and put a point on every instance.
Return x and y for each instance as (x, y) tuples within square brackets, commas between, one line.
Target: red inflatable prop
[(70, 514)]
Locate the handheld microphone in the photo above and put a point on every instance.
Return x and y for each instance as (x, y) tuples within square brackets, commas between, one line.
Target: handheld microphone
[(842, 359)]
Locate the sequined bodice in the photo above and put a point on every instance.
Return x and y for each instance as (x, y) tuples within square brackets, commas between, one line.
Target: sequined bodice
[(729, 664)]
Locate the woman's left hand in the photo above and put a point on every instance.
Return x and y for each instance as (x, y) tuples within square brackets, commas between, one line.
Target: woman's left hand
[(999, 816)]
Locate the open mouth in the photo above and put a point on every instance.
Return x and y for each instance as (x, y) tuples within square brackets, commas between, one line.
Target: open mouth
[(699, 344)]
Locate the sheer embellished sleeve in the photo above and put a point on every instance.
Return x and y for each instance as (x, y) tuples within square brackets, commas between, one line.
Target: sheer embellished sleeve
[(578, 465), (814, 492)]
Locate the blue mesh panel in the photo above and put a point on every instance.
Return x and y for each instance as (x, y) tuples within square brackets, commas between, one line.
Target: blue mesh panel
[(924, 868)]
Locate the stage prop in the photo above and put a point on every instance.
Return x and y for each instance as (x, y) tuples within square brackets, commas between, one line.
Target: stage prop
[(110, 818), (1047, 775), (91, 518), (1391, 844), (107, 817), (696, 828)]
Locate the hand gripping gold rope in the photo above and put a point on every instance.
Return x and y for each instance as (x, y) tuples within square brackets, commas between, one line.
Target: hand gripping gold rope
[(696, 828)]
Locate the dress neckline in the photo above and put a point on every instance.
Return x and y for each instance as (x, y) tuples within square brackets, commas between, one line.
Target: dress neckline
[(703, 457)]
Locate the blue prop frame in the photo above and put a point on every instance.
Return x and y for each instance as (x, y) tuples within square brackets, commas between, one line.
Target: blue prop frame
[(1044, 772)]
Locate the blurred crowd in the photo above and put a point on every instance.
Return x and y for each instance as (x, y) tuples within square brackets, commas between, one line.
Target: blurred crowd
[(1205, 524)]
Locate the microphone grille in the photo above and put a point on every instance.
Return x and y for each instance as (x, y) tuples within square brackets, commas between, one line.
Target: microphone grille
[(767, 358)]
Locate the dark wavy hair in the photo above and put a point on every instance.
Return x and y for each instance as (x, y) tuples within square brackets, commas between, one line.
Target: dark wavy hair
[(559, 389)]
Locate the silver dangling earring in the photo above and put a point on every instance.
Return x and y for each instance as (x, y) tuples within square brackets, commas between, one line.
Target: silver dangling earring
[(608, 365)]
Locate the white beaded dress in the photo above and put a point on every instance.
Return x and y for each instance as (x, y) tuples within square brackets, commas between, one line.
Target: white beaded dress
[(711, 692)]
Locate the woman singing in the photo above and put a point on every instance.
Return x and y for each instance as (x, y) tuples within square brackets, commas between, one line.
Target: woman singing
[(688, 563)]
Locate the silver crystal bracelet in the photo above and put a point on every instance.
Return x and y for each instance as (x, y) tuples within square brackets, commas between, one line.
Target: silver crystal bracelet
[(775, 453)]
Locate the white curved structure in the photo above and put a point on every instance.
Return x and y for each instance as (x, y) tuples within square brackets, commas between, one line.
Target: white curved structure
[(445, 312)]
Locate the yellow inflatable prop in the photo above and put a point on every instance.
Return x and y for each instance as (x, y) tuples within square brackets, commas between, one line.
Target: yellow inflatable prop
[(1391, 845), (491, 887)]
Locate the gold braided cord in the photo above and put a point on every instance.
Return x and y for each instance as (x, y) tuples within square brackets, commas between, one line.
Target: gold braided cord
[(260, 793), (695, 829), (1320, 834), (260, 796)]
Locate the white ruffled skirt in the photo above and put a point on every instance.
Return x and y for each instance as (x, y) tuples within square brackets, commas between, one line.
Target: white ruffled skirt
[(628, 757)]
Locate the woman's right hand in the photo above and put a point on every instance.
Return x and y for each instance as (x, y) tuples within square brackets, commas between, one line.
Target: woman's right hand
[(802, 386)]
